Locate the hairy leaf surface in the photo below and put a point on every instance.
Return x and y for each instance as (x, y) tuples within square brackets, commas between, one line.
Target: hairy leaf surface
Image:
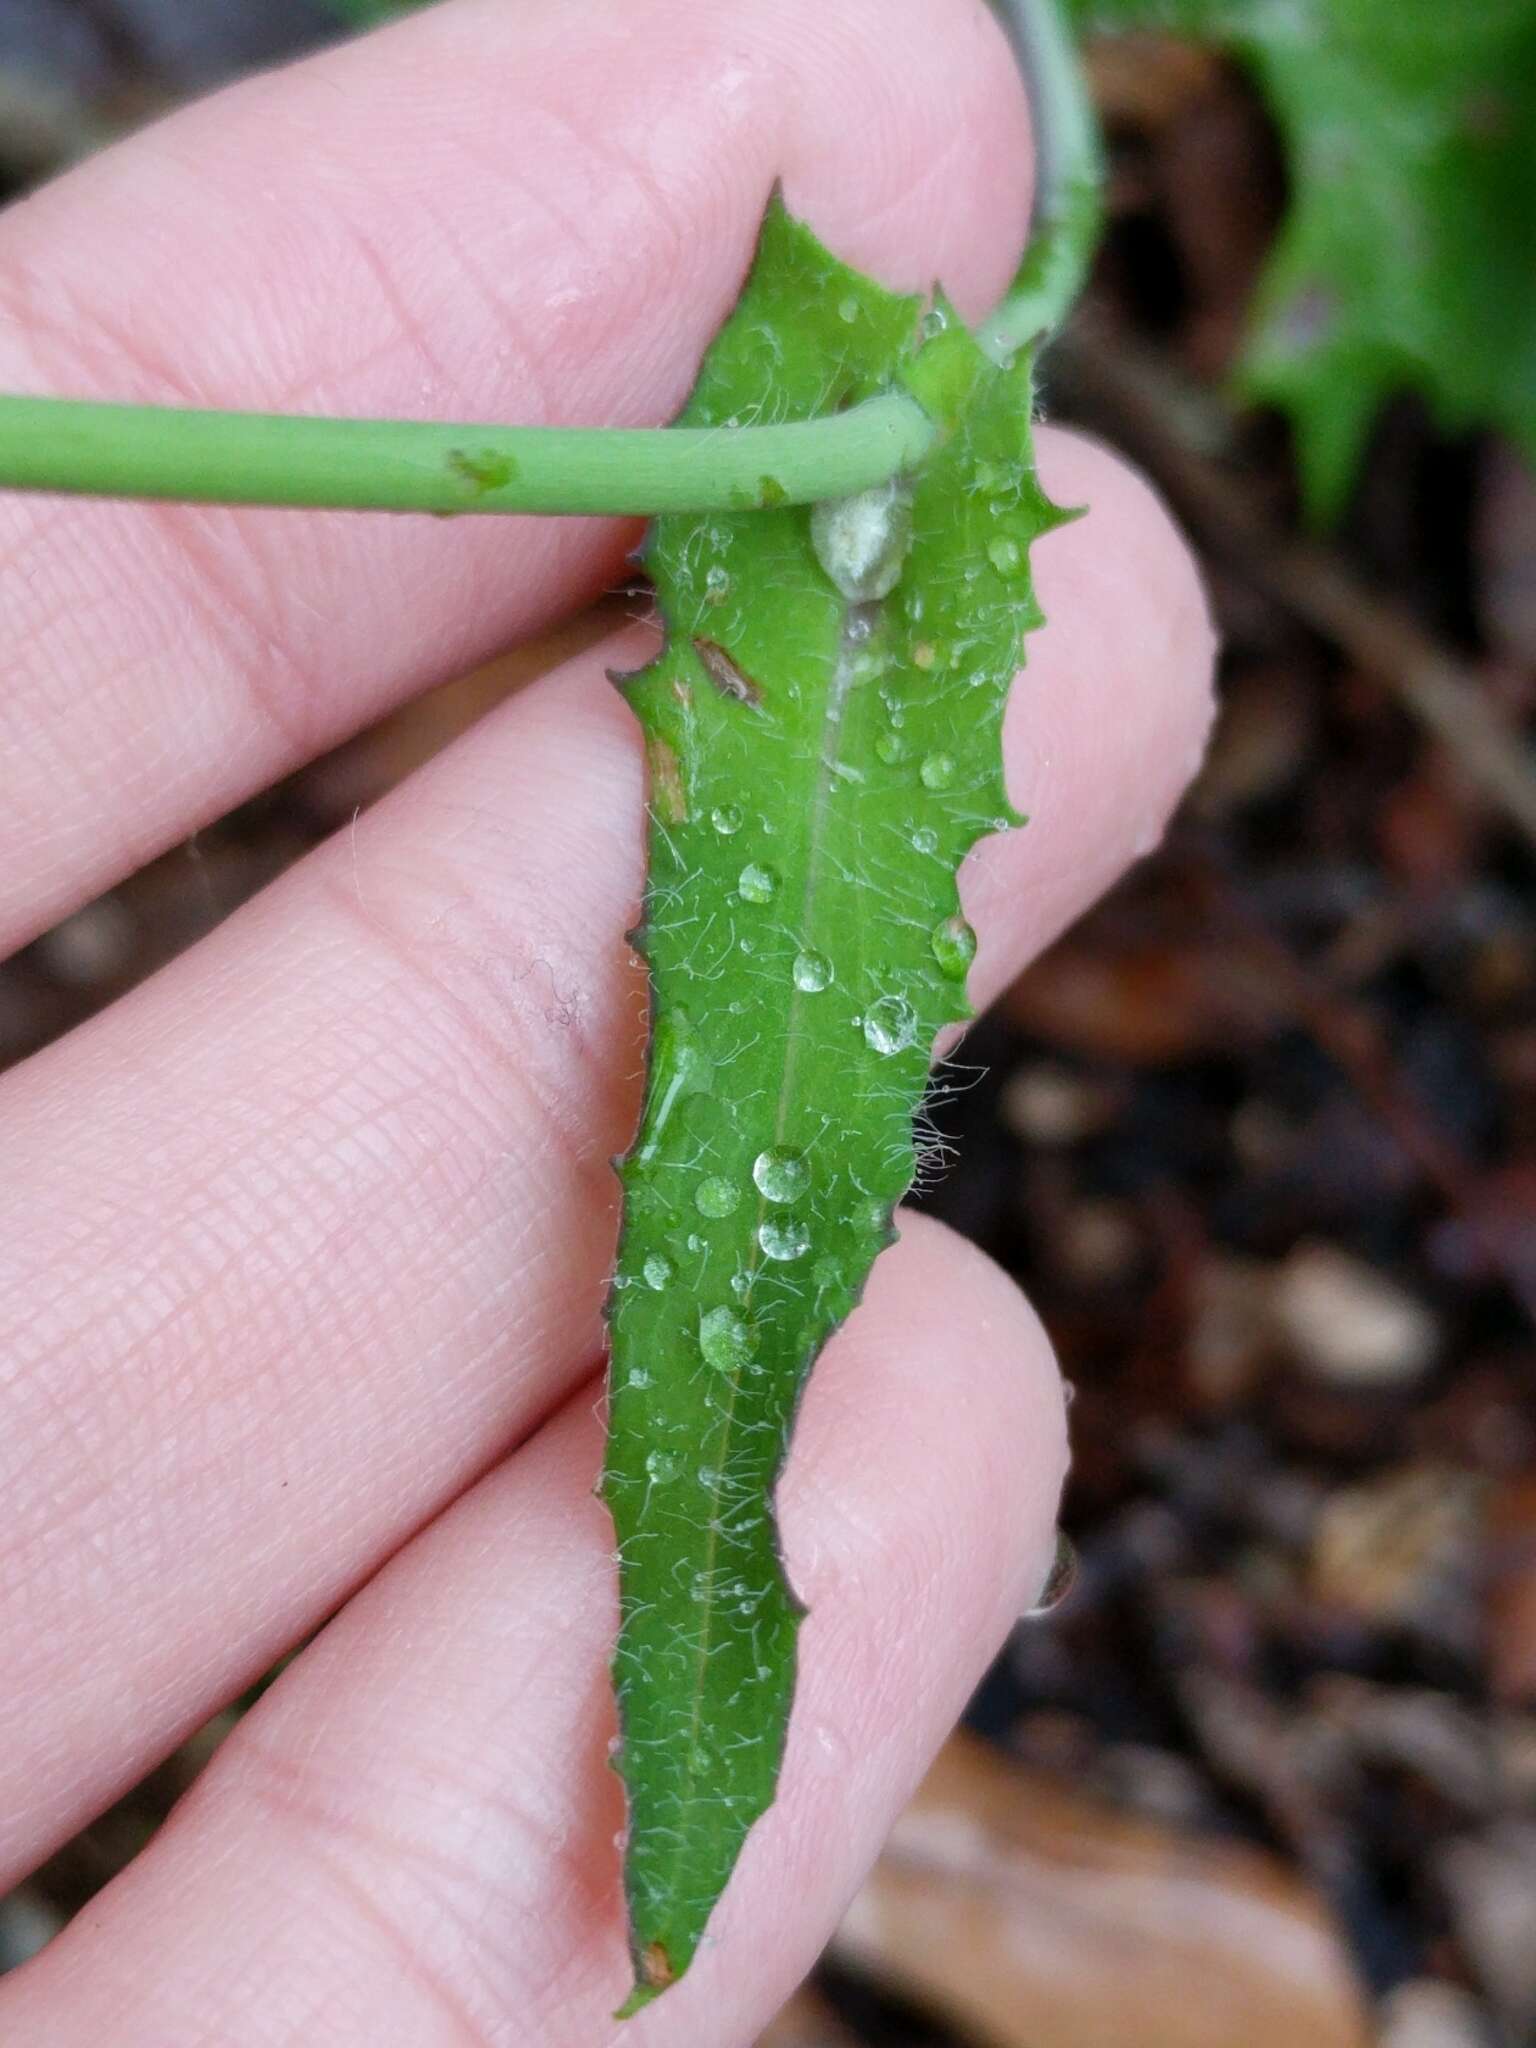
[(819, 762)]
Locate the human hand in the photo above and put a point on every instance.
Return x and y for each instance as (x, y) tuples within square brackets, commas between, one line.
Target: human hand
[(305, 1242)]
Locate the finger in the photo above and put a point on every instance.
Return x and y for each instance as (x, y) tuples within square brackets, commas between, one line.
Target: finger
[(535, 213), (318, 1221), (414, 1832)]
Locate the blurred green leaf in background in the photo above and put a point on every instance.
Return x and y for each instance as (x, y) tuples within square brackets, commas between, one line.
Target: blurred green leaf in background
[(1406, 259), (366, 13)]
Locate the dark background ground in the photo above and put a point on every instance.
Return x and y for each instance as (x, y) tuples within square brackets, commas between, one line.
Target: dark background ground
[(1259, 1138)]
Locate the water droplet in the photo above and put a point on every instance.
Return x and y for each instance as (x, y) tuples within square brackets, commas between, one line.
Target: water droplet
[(954, 948), (1005, 556), (695, 1242), (757, 883), (827, 1272), (891, 748), (937, 771), (828, 1754), (783, 1238), (924, 840), (657, 1271), (862, 541), (717, 585), (726, 819), (716, 1196), (638, 1380), (726, 1339), (812, 972), (848, 310), (781, 1175), (890, 1025), (935, 322), (660, 1466)]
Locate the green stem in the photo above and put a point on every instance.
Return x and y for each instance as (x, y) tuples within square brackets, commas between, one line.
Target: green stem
[(56, 444), (1069, 173), (126, 451)]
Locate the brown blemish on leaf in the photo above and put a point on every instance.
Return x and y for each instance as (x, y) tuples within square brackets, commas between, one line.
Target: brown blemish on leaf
[(668, 796), (656, 1969), (722, 671)]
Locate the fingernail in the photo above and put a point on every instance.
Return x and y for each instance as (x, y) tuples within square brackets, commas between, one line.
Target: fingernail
[(1059, 1580)]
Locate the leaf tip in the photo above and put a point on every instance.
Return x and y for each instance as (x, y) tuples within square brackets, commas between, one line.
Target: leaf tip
[(653, 1975)]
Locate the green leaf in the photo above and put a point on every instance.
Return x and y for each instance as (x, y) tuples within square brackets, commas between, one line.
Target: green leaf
[(820, 762), (369, 13), (1405, 260)]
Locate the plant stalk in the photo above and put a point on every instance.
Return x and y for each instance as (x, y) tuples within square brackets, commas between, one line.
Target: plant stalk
[(1069, 179), (127, 451), (57, 444)]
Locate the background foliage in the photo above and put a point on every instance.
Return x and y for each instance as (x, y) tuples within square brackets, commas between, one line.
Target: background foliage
[(1405, 261)]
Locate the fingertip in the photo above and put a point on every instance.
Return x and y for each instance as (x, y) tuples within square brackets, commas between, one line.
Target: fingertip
[(1126, 589), (938, 1412), (1108, 722)]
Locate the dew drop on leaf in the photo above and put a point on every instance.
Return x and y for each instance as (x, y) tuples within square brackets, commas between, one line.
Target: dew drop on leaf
[(717, 585), (862, 541), (925, 840), (890, 1025), (781, 1175), (657, 1271), (812, 973), (937, 771), (726, 1339), (783, 1238), (954, 948), (661, 1466), (1005, 555), (891, 748), (848, 310), (757, 883), (716, 1196), (726, 819)]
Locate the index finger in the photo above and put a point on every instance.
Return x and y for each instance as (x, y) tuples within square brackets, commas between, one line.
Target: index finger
[(536, 213)]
